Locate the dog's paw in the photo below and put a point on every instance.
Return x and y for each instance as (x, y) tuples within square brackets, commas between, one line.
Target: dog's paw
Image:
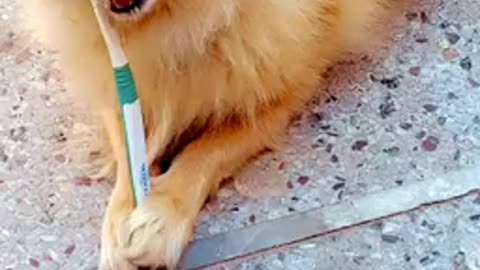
[(156, 234), (112, 257), (153, 235)]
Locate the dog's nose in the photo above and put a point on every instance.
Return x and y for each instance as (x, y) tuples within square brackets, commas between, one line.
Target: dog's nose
[(122, 4)]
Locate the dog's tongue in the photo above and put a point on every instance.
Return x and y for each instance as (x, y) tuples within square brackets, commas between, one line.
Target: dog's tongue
[(122, 4)]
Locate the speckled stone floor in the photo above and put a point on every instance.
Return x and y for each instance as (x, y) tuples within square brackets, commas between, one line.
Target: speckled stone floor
[(386, 119)]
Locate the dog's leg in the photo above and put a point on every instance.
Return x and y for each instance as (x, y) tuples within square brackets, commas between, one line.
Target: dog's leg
[(157, 233)]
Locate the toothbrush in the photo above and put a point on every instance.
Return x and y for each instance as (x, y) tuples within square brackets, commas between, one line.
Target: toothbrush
[(131, 109)]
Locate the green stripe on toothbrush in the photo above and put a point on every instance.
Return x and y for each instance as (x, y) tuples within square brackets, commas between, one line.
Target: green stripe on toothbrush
[(127, 90)]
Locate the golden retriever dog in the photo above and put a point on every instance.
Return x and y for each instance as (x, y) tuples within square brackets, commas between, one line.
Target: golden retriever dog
[(218, 81)]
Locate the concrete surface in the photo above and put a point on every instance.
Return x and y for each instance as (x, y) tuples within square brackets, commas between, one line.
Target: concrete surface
[(391, 118), (300, 226), (441, 237)]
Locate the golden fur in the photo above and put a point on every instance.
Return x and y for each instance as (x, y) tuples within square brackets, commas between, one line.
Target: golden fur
[(218, 81)]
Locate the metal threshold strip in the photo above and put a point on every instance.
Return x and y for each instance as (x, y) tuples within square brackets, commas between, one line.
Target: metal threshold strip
[(275, 233)]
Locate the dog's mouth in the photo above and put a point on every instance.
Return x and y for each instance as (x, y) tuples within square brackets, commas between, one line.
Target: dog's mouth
[(130, 9), (125, 6)]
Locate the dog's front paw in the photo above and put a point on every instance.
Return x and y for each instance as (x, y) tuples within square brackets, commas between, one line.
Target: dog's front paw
[(153, 235), (156, 234), (112, 257)]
